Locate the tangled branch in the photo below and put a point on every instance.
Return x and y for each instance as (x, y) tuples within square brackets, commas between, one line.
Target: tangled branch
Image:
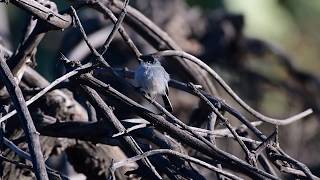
[(161, 143)]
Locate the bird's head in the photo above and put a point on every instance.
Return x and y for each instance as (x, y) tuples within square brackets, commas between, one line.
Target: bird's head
[(148, 59)]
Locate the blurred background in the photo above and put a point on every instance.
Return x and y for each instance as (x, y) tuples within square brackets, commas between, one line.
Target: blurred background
[(267, 51)]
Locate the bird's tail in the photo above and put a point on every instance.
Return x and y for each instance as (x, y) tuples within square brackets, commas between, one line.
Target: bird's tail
[(167, 103)]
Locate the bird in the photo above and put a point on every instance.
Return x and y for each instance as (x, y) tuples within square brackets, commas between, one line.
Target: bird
[(153, 79)]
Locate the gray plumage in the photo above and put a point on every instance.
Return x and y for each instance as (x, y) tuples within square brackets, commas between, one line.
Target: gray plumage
[(152, 78)]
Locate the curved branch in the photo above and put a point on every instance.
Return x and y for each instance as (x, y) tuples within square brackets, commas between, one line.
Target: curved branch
[(160, 40), (176, 132), (226, 123), (175, 153), (217, 77)]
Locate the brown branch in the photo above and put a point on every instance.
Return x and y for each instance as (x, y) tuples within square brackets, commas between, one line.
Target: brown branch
[(27, 48), (85, 37), (99, 132), (115, 28), (224, 106), (175, 153), (55, 19), (25, 119), (48, 88), (301, 166), (184, 87), (107, 12), (95, 99), (25, 51), (27, 156), (226, 122), (176, 132), (161, 40), (217, 77), (87, 42)]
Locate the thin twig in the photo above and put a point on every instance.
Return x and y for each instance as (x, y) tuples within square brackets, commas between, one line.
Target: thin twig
[(260, 172), (32, 21), (85, 37), (16, 149), (226, 131), (98, 101), (217, 77), (48, 88), (92, 114), (160, 40), (96, 98), (175, 153), (25, 119), (266, 164), (218, 134), (27, 156), (303, 167), (183, 136), (103, 9), (226, 122), (264, 144), (295, 172), (115, 28), (184, 87), (212, 119), (40, 11), (17, 163), (224, 106), (17, 61)]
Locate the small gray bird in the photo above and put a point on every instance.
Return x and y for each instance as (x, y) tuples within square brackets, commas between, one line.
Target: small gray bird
[(153, 79)]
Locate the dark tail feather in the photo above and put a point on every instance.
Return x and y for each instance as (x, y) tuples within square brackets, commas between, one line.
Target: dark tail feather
[(167, 103)]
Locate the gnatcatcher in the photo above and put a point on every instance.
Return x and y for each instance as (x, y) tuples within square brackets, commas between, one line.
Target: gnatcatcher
[(153, 79)]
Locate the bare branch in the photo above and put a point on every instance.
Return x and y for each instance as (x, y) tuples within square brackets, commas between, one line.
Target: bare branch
[(161, 40), (173, 130), (97, 100), (115, 28), (217, 77), (55, 19), (226, 122), (25, 119), (175, 153), (104, 10), (48, 88)]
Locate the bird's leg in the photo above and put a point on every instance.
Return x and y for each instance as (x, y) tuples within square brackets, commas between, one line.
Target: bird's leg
[(152, 97), (143, 92), (166, 101)]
